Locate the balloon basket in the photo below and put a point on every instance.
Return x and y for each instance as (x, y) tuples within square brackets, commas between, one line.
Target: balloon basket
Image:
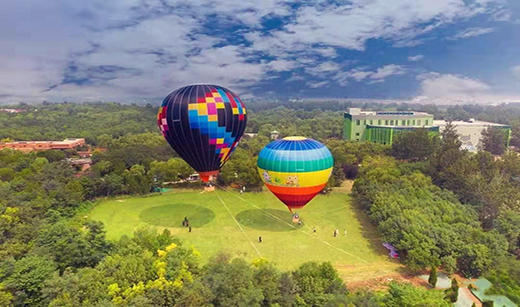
[(296, 220), (209, 188)]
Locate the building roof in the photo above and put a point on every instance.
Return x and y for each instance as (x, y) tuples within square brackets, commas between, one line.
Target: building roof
[(386, 114), (466, 123), (401, 127)]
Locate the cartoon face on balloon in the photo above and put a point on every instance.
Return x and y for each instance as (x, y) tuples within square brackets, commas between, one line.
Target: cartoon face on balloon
[(292, 181), (267, 177)]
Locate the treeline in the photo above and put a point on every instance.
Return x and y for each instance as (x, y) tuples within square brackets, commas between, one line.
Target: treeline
[(57, 121), (428, 225), (152, 269), (473, 229)]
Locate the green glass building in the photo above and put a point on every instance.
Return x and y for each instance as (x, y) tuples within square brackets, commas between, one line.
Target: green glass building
[(382, 126)]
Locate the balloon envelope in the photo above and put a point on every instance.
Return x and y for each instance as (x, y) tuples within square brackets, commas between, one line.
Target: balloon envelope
[(295, 169), (203, 123)]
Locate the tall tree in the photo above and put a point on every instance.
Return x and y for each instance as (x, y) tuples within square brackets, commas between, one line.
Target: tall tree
[(493, 140), (415, 145)]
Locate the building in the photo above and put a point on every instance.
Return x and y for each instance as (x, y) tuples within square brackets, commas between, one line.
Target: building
[(275, 135), (12, 110), (27, 146), (471, 132), (382, 126)]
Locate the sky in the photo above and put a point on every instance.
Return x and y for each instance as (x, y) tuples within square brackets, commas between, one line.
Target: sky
[(440, 51)]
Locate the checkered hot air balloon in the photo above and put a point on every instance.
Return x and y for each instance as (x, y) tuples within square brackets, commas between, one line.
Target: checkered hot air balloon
[(295, 169), (203, 123)]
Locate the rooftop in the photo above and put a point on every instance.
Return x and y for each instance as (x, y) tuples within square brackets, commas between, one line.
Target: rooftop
[(467, 123), (358, 112)]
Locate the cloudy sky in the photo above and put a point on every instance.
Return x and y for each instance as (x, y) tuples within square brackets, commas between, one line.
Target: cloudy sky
[(140, 50)]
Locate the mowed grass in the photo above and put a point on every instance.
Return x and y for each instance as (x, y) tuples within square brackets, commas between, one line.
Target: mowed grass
[(230, 222)]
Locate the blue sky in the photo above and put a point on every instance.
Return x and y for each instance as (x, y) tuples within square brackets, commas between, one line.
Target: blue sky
[(140, 50)]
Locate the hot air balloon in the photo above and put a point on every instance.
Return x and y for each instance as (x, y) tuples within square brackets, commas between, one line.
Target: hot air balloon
[(203, 123), (295, 169)]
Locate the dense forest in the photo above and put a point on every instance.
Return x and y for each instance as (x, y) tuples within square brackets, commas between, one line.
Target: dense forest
[(439, 206)]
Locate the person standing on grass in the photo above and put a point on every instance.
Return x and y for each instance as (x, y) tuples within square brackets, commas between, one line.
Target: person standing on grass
[(314, 229), (336, 232), (189, 229), (345, 232), (260, 239)]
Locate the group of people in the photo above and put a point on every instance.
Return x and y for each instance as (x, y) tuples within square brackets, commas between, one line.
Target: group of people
[(336, 232), (186, 223)]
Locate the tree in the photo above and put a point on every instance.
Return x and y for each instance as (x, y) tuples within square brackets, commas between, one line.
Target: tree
[(406, 295), (454, 285), (432, 280), (318, 284), (267, 278), (28, 279), (493, 140), (415, 145), (137, 181), (231, 282)]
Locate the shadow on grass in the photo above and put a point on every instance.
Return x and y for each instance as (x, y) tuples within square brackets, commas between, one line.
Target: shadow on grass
[(172, 215), (369, 233), (261, 220)]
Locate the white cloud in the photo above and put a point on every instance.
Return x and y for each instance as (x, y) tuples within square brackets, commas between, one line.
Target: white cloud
[(415, 58), (451, 86), (471, 32), (350, 26), (130, 50), (360, 74), (317, 84), (516, 70), (323, 68)]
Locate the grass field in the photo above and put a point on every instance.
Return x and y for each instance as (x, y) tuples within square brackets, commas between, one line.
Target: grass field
[(227, 221)]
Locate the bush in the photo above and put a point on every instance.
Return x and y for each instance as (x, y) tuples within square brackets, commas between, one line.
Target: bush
[(452, 296), (454, 285), (432, 280)]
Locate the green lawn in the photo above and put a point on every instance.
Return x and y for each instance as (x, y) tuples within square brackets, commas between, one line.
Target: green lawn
[(228, 221)]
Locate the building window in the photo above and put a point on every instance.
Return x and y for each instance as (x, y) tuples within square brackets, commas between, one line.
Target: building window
[(371, 122), (413, 122), (391, 122), (404, 123), (418, 122), (386, 122), (426, 122), (357, 134), (379, 122), (358, 122)]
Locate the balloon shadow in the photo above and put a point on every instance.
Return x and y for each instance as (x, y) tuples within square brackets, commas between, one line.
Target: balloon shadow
[(172, 215), (264, 220)]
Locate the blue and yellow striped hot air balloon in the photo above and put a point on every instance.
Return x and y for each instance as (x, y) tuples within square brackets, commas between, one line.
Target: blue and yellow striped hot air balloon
[(295, 169)]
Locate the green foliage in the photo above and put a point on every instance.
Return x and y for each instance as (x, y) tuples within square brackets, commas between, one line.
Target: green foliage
[(72, 244), (414, 145), (454, 285), (432, 279), (505, 278), (318, 284), (426, 224), (27, 279), (90, 121), (493, 140), (406, 295)]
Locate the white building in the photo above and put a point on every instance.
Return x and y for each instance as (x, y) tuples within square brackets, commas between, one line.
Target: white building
[(471, 131)]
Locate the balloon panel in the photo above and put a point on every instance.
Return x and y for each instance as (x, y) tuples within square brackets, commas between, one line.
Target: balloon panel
[(203, 124), (295, 169)]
